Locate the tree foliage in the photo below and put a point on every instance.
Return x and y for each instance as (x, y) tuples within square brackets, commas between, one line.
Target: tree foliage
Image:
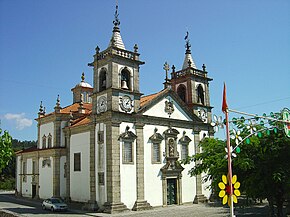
[(262, 166), (6, 151)]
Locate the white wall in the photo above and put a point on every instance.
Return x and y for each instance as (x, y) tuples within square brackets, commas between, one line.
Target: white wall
[(80, 180), (188, 182), (45, 179), (152, 174), (45, 129), (26, 186), (158, 110), (62, 178), (128, 173)]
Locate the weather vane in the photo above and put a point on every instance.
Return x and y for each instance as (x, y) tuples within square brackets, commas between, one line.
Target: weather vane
[(116, 22), (187, 45)]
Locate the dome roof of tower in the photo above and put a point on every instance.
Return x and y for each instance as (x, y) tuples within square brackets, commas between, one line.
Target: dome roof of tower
[(84, 84)]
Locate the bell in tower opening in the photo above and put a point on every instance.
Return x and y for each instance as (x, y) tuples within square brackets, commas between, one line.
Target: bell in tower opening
[(125, 79)]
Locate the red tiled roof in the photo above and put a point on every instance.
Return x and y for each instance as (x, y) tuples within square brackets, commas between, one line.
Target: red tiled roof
[(81, 121), (74, 107), (146, 99)]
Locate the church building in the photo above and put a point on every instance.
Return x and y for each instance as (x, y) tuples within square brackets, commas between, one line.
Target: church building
[(115, 149)]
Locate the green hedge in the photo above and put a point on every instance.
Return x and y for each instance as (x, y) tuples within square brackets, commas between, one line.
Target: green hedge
[(7, 184)]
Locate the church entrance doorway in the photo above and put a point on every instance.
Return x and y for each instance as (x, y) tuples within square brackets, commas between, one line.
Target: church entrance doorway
[(171, 191), (33, 191)]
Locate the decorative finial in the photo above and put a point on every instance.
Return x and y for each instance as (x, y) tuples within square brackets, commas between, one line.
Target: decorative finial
[(204, 67), (135, 48), (173, 68), (97, 49), (58, 101), (155, 130), (127, 129), (83, 77), (116, 22), (187, 43), (44, 110), (40, 108), (57, 105)]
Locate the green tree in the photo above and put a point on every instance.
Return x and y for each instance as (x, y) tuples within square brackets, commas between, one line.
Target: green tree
[(262, 166), (6, 151)]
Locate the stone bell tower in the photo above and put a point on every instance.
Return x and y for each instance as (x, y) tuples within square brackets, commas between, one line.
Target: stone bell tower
[(192, 85), (116, 75)]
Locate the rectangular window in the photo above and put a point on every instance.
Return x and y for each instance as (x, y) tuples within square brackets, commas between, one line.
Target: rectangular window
[(101, 178), (128, 152), (101, 136), (77, 161), (184, 151), (156, 153)]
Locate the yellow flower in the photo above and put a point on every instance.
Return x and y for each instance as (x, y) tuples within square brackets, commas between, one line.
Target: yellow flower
[(225, 190)]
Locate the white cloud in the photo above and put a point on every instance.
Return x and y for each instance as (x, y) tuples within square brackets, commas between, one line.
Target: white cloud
[(21, 121)]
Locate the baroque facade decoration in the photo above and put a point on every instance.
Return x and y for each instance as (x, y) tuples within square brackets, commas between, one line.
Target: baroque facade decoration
[(113, 148)]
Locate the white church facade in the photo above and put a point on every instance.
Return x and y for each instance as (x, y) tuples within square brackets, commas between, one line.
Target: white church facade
[(115, 149)]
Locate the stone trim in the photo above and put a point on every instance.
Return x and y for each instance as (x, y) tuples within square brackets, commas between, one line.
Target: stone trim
[(140, 203), (199, 197), (113, 182)]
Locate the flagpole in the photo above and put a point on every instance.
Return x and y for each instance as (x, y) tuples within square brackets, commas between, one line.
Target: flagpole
[(230, 173)]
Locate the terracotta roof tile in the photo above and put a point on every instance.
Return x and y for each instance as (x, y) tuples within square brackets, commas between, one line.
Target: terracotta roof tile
[(74, 107), (146, 99), (81, 121)]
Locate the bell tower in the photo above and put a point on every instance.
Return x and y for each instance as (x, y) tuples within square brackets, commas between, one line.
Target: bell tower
[(192, 85), (116, 75)]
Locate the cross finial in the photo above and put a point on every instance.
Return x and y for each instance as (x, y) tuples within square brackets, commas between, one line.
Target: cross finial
[(166, 68)]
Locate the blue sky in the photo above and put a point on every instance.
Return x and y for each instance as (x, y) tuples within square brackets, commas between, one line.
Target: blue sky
[(46, 45)]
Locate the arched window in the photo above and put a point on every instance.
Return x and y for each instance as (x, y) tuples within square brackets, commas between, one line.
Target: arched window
[(125, 79), (49, 141), (103, 80), (200, 94), (44, 141), (181, 91)]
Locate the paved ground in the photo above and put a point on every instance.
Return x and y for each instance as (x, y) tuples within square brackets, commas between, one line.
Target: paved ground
[(33, 208)]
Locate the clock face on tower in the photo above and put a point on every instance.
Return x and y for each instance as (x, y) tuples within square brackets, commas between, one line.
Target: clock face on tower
[(102, 104), (202, 114), (126, 103)]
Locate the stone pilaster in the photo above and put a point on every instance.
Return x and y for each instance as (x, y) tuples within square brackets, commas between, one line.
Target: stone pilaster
[(56, 175), (68, 163), (37, 175), (113, 204), (57, 133), (92, 204), (199, 197), (140, 203), (20, 176)]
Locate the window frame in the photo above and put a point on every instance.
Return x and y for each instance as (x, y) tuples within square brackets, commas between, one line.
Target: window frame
[(77, 162)]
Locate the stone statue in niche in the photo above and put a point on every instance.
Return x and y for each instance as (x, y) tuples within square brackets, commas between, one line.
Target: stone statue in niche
[(171, 147)]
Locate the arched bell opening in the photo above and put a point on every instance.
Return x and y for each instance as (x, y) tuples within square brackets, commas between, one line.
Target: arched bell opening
[(125, 79)]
